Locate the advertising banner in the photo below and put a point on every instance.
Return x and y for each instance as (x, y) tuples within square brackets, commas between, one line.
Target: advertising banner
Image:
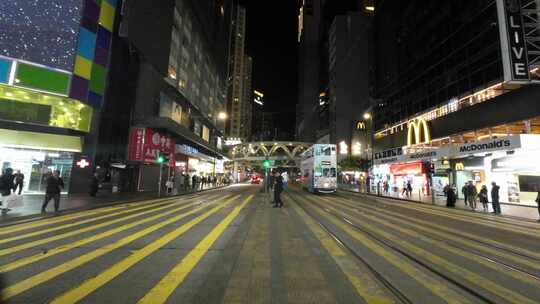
[(489, 145), (145, 144)]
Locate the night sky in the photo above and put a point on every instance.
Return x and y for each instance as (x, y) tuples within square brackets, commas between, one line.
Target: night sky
[(29, 27), (272, 41)]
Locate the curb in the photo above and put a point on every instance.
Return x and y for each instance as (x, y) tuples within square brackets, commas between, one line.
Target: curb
[(441, 207), (35, 217)]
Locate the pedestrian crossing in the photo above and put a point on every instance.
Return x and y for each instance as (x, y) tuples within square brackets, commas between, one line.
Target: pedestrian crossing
[(86, 238)]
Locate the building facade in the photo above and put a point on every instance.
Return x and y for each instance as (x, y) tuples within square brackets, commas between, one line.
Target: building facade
[(170, 60), (53, 74), (236, 103), (247, 111), (463, 110)]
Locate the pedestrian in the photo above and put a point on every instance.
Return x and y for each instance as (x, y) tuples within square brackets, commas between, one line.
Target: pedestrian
[(179, 183), (169, 185), (94, 185), (472, 193), (270, 181), (19, 182), (204, 180), (6, 185), (386, 187), (483, 197), (464, 192), (450, 196), (285, 177), (194, 182), (278, 188), (495, 198), (538, 201), (54, 186), (409, 189)]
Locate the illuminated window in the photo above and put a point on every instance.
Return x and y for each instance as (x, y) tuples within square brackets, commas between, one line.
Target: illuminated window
[(40, 108)]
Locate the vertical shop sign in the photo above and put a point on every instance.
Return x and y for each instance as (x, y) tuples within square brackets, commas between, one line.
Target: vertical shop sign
[(513, 45), (136, 144)]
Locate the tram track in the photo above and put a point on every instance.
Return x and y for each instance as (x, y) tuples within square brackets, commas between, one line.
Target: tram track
[(475, 252), (489, 243), (396, 293)]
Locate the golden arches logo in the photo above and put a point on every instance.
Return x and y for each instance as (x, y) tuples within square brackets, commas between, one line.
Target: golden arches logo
[(418, 127), (360, 125), (460, 167)]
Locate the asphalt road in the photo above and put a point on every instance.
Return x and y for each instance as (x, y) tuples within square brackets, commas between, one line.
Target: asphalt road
[(230, 246)]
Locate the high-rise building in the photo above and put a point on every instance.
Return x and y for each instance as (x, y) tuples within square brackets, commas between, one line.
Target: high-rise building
[(257, 115), (309, 66), (54, 62), (169, 93), (247, 112), (236, 78), (457, 99)]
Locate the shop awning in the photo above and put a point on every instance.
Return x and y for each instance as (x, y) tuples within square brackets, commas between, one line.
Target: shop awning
[(40, 141)]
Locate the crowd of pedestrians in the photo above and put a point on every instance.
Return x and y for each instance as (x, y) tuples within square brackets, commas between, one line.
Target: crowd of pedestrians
[(184, 182), (471, 196)]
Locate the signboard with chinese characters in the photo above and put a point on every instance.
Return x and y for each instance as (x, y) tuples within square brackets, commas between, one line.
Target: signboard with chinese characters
[(145, 144)]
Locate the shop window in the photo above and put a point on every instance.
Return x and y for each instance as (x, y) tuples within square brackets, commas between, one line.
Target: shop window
[(44, 109)]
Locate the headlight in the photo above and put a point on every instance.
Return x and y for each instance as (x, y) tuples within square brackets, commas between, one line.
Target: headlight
[(326, 185)]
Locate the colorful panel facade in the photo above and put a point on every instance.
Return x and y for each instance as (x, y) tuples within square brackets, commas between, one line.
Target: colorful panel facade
[(90, 70), (5, 69), (41, 78)]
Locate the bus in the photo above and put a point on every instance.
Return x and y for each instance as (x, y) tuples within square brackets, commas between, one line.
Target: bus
[(319, 168)]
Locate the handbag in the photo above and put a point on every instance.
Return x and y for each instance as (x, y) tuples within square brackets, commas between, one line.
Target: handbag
[(13, 201)]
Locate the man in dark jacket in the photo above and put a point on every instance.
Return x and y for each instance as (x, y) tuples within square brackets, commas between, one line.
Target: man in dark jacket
[(278, 188), (495, 198), (19, 182), (94, 185), (6, 185), (54, 185)]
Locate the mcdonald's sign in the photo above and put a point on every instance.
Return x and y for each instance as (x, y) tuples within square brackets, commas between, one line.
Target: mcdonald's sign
[(360, 125), (460, 167), (420, 129)]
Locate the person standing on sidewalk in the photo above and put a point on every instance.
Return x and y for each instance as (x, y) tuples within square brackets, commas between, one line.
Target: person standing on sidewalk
[(94, 185), (54, 186), (19, 182), (538, 202), (495, 198), (6, 185), (450, 197), (464, 192), (483, 196), (278, 188), (471, 195)]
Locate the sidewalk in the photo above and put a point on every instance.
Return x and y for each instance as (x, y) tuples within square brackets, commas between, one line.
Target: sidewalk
[(525, 212), (33, 202)]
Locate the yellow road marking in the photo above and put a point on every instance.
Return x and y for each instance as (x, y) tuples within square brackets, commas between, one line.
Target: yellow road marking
[(424, 226), (435, 286), (166, 286), (466, 274), (90, 285), (64, 218), (63, 248), (49, 274), (24, 246), (364, 285), (78, 223)]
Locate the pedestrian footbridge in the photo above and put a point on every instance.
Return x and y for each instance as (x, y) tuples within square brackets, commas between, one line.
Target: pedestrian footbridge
[(282, 153)]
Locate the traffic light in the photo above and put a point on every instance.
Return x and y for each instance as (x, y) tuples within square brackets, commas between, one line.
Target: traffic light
[(162, 158), (266, 163)]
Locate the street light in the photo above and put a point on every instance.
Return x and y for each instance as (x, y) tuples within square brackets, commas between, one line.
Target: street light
[(367, 116), (222, 115)]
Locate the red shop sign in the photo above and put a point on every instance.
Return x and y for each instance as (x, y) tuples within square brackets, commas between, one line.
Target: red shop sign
[(136, 144), (407, 169), (146, 144)]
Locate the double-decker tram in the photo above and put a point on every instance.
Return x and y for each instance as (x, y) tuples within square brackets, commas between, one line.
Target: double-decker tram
[(319, 168)]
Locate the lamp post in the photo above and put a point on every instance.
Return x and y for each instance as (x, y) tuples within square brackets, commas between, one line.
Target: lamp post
[(368, 118)]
